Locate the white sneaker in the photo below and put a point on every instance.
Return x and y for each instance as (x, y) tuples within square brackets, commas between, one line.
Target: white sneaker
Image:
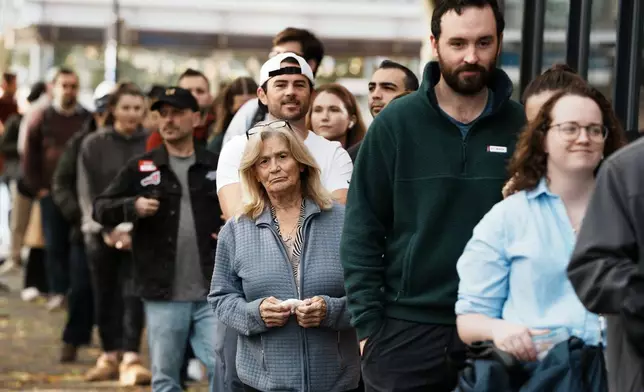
[(10, 267), (29, 294), (56, 302), (196, 371)]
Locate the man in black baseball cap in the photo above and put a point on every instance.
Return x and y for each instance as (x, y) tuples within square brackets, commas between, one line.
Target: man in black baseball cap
[(179, 114), (172, 246), (177, 97)]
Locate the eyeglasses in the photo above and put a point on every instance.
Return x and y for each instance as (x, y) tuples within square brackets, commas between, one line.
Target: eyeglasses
[(569, 131), (272, 125)]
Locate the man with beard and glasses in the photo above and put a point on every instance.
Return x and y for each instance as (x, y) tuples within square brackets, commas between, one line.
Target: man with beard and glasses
[(46, 141), (286, 84), (299, 41), (431, 166), (390, 80), (199, 85)]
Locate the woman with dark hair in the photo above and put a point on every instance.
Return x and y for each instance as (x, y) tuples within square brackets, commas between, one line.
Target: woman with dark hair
[(513, 288), (335, 115), (544, 86), (119, 311), (236, 94)]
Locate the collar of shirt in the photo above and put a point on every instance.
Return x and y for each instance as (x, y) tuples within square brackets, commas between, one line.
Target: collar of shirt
[(160, 156), (540, 189)]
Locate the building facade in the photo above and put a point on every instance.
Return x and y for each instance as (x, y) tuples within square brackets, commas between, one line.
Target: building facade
[(229, 38)]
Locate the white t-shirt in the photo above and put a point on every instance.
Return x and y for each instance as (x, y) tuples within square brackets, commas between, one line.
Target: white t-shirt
[(334, 161)]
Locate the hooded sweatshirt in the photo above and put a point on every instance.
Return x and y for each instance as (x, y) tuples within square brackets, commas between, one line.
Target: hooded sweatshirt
[(102, 156)]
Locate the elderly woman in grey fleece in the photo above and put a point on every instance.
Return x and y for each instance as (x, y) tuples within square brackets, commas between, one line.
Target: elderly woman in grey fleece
[(278, 280)]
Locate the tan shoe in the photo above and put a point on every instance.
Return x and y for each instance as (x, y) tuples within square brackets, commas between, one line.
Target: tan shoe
[(106, 369), (133, 373)]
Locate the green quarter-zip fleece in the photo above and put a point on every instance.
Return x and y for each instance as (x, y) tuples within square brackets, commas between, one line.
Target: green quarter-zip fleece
[(418, 189)]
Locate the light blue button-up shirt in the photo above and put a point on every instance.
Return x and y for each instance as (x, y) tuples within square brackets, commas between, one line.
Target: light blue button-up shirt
[(514, 266)]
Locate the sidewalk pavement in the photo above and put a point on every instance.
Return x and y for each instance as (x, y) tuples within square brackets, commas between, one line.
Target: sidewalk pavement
[(30, 339)]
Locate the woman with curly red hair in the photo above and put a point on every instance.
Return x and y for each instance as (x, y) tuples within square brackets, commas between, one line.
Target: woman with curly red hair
[(514, 290)]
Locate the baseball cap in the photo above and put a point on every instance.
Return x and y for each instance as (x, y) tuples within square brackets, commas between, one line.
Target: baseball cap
[(177, 97), (104, 88), (273, 67), (101, 104)]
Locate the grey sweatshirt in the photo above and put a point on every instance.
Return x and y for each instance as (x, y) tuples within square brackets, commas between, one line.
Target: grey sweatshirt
[(102, 156)]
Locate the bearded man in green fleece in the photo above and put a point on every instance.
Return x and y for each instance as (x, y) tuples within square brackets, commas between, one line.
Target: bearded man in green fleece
[(432, 164)]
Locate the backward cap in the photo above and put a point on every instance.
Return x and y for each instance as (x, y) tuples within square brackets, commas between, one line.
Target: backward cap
[(275, 63)]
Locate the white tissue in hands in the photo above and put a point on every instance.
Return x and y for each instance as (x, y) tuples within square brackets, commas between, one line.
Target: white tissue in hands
[(292, 303)]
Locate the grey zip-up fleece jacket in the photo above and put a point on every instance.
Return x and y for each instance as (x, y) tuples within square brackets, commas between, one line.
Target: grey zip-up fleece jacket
[(102, 156), (251, 265)]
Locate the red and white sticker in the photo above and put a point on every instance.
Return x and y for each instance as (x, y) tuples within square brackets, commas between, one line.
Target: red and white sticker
[(152, 179), (147, 166)]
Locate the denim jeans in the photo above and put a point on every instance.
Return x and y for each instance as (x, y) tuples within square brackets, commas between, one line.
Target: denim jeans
[(80, 311), (56, 232), (170, 325)]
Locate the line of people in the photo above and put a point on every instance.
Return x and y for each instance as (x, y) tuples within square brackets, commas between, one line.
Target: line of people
[(445, 284), (100, 270), (438, 274)]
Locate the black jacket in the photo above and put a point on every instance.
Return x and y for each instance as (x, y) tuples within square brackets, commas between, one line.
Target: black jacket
[(64, 190), (9, 140), (9, 146), (607, 264), (154, 239)]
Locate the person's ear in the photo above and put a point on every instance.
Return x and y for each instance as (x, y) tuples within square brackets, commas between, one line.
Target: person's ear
[(196, 119), (352, 121), (434, 44), (261, 94)]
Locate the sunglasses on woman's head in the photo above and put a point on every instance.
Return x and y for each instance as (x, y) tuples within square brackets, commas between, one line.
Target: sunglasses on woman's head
[(273, 125)]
